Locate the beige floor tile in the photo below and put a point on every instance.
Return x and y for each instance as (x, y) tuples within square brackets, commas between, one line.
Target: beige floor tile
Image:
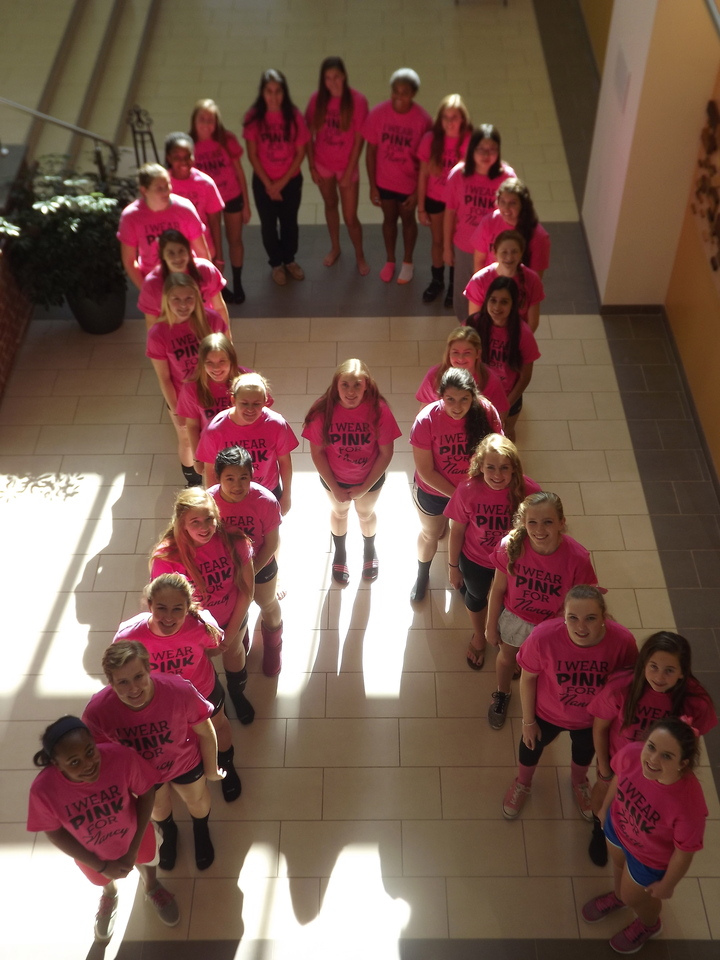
[(25, 411), (303, 354), (637, 533), (456, 848), (275, 794), (477, 793), (252, 910), (430, 352), (603, 435), (710, 890), (559, 848), (136, 469), (311, 849), (421, 328), (375, 354), (379, 793), (82, 439), (559, 351), (436, 650), (558, 406), (587, 327), (622, 606), (349, 743), (622, 465), (119, 410), (347, 696), (655, 607), (588, 377), (564, 465), (608, 406), (454, 743), (545, 379), (293, 694), (96, 383), (467, 694), (260, 745), (596, 351), (611, 498), (20, 473), (596, 533), (427, 901), (333, 328), (19, 440), (536, 435), (706, 863), (487, 907), (629, 568), (241, 846)]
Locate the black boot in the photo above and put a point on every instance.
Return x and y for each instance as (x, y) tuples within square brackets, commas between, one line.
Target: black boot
[(192, 477), (168, 847), (435, 286), (598, 847), (231, 786), (236, 681), (237, 285), (449, 295), (420, 586), (204, 850)]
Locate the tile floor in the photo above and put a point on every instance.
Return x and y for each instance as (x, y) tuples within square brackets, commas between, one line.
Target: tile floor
[(370, 817)]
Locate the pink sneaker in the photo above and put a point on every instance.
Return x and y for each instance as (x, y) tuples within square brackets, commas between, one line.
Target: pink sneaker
[(601, 907), (634, 937), (514, 799), (581, 792)]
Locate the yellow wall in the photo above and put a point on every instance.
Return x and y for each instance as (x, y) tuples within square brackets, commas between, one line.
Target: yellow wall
[(597, 15), (693, 309)]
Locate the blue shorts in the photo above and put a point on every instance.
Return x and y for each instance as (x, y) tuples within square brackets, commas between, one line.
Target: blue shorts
[(639, 872)]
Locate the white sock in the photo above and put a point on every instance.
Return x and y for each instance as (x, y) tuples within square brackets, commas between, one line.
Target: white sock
[(406, 273)]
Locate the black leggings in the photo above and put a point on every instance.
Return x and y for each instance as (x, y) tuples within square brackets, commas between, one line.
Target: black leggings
[(583, 748), (279, 220), (477, 580)]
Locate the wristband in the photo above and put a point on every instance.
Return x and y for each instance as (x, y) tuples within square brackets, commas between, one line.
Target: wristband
[(604, 779), (455, 565), (530, 724)]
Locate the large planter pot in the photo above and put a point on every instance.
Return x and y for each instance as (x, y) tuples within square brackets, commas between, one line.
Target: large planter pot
[(99, 316)]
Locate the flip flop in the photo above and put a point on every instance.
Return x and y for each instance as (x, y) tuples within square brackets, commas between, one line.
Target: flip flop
[(370, 570), (475, 657), (340, 573)]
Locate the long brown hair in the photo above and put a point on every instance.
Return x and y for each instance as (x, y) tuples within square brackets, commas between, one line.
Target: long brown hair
[(325, 405), (176, 581), (453, 101), (198, 320), (467, 335), (219, 133), (175, 236), (323, 96), (517, 536), (214, 341), (496, 443)]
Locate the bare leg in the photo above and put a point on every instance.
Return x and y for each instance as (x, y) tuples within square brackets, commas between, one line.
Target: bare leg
[(431, 532), (436, 232), (365, 509), (329, 189), (505, 666), (391, 212), (195, 796), (233, 232), (349, 199), (410, 232), (223, 730)]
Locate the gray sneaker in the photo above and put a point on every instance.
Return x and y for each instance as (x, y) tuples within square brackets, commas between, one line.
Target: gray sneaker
[(497, 712), (105, 918), (165, 905)]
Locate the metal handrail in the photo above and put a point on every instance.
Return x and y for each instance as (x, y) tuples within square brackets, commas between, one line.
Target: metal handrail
[(68, 126)]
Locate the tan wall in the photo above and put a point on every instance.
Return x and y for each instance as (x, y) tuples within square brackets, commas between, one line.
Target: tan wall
[(597, 15)]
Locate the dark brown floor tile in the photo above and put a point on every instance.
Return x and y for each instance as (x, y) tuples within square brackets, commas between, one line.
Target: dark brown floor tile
[(645, 434), (640, 351), (660, 498), (646, 327), (684, 466), (696, 497), (662, 376), (617, 327), (707, 564), (678, 566), (695, 608), (655, 406), (705, 650), (686, 532), (631, 378), (678, 434)]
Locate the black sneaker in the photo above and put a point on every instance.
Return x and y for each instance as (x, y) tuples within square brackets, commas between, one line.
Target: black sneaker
[(497, 711), (431, 292)]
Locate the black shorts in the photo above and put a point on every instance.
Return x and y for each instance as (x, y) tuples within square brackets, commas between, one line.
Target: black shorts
[(582, 746), (515, 408), (392, 195), (431, 504), (346, 486), (277, 492), (216, 697), (236, 205), (478, 580), (434, 206), (192, 776), (267, 573)]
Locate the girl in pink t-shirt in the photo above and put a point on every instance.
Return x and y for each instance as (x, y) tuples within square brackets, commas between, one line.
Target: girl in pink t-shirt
[(335, 116), (276, 136), (443, 437), (393, 130), (469, 195), (535, 566), (157, 210), (563, 665), (197, 187), (93, 802), (654, 819), (167, 722), (441, 149), (463, 350), (352, 436), (508, 249), (509, 343), (253, 510), (661, 685), (219, 568), (181, 639), (217, 153), (172, 346), (176, 257), (265, 433), (515, 211), (480, 513)]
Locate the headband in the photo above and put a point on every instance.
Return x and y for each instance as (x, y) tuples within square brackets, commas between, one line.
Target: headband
[(58, 730)]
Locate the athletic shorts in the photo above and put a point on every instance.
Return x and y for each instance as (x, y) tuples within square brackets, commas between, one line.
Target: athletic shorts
[(513, 629), (431, 504), (392, 195), (434, 206), (346, 486), (639, 872), (236, 205)]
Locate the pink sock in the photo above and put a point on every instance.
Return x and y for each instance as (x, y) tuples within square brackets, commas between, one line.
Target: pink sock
[(578, 774), (525, 774), (388, 271)]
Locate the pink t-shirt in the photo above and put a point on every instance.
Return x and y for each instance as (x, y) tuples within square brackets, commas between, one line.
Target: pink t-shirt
[(488, 515), (654, 819), (217, 162), (490, 226), (140, 228), (275, 147), (177, 344), (189, 404), (102, 816), (569, 676), (355, 439), (536, 590), (268, 438), (435, 430), (161, 732), (495, 353), (217, 568), (183, 653), (453, 152), (150, 299), (397, 137), (256, 515), (609, 704), (332, 146), (530, 287), (201, 190), (492, 391), (471, 198)]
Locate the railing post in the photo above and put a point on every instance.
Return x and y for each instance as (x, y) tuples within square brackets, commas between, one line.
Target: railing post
[(141, 123)]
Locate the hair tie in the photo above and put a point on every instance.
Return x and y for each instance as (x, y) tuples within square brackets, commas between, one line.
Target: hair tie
[(688, 721)]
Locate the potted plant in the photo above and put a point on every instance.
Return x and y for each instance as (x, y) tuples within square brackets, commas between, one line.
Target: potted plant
[(65, 247)]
